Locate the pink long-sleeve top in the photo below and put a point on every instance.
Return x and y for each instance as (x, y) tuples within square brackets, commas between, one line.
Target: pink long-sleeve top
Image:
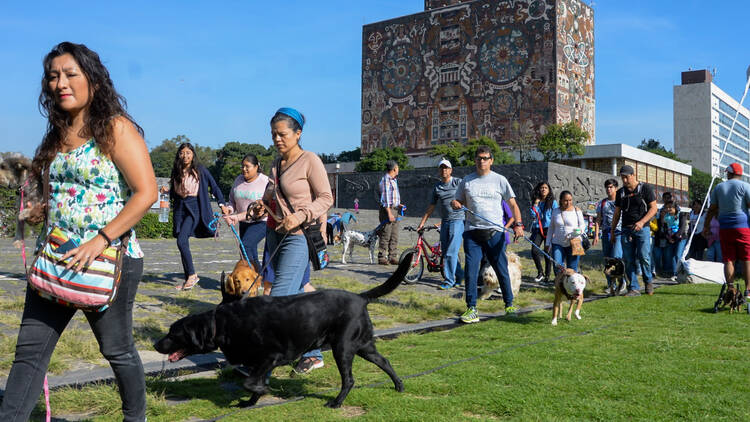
[(305, 185)]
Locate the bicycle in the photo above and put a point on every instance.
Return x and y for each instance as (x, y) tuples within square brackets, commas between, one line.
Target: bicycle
[(423, 252)]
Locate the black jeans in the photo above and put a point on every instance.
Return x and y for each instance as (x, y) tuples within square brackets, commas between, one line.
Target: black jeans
[(537, 256), (41, 326)]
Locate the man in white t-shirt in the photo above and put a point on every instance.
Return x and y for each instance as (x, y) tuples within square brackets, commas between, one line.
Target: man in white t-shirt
[(483, 192)]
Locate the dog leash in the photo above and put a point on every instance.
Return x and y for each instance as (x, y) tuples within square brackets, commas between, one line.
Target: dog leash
[(48, 417), (504, 230)]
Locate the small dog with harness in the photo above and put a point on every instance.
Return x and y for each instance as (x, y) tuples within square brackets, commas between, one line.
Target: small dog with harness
[(734, 298), (570, 284), (368, 240)]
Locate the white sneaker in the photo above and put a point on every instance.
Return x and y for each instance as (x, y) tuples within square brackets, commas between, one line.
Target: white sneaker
[(539, 278)]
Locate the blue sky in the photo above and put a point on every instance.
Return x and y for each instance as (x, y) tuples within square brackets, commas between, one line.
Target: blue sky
[(216, 71)]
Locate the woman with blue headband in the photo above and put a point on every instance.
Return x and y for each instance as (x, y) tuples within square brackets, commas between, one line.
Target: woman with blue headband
[(299, 192)]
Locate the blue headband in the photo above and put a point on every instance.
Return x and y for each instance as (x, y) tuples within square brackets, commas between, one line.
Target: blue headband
[(294, 114)]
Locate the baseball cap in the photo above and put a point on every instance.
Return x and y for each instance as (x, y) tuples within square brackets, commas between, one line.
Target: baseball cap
[(626, 170), (445, 162), (734, 168)]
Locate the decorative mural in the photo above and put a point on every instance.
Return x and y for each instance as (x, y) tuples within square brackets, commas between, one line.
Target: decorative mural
[(506, 69)]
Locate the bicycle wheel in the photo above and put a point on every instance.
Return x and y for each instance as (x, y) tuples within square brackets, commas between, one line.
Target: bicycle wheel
[(417, 266)]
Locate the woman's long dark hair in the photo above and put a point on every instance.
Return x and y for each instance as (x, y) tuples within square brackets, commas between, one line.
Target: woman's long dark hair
[(549, 200), (104, 105), (179, 167)]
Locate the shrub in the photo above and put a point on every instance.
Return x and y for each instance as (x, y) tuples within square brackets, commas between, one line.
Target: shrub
[(150, 228)]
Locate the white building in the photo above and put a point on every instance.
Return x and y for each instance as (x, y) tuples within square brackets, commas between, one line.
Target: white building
[(703, 116), (664, 174)]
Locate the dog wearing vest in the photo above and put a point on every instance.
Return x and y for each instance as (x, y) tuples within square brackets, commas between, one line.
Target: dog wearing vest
[(368, 240), (570, 284)]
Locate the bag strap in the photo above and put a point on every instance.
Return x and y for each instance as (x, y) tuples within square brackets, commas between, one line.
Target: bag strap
[(45, 195), (539, 221)]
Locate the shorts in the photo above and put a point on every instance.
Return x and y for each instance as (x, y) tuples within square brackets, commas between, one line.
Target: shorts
[(735, 244)]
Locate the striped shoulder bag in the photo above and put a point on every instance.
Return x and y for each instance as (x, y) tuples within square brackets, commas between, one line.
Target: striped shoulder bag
[(91, 289)]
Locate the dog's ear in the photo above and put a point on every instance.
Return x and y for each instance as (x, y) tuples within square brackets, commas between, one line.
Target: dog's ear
[(223, 286), (585, 277)]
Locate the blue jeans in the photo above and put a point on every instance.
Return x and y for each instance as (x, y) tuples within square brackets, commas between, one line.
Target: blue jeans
[(665, 258), (187, 227), (451, 234), (42, 324), (289, 266), (679, 250), (494, 250), (611, 250), (636, 252), (713, 253), (560, 252), (251, 234)]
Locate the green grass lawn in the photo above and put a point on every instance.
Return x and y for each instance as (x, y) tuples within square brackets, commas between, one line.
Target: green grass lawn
[(664, 357)]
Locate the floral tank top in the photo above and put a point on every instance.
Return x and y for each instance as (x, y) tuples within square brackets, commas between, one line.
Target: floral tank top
[(87, 191)]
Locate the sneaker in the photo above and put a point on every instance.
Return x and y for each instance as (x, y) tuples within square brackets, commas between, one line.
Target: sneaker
[(470, 316), (539, 278), (747, 295), (650, 289), (382, 261), (306, 365), (446, 286), (632, 293), (393, 261), (511, 310)]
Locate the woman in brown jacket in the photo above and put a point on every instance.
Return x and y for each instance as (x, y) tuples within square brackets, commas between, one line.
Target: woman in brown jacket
[(298, 178)]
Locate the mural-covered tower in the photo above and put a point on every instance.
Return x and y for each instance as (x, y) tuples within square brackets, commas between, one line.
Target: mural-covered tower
[(463, 69)]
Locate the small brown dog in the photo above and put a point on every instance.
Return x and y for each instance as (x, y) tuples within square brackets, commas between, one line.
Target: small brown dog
[(734, 298), (244, 277), (570, 284)]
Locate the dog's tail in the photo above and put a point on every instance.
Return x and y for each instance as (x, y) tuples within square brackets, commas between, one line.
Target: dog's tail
[(392, 282)]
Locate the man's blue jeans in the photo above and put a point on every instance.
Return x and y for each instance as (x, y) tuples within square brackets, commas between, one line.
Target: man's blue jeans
[(494, 249), (636, 252), (289, 267), (611, 250), (451, 234)]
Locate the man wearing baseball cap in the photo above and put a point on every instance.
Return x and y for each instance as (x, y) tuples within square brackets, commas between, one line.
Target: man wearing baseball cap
[(636, 203), (730, 201), (451, 223)]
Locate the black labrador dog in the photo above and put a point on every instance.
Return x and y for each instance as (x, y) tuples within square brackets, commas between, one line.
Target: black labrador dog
[(265, 332)]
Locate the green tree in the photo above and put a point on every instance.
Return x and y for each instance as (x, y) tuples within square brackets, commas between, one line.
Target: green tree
[(698, 184), (228, 164), (353, 155), (562, 141), (653, 146), (461, 155), (328, 158), (375, 161)]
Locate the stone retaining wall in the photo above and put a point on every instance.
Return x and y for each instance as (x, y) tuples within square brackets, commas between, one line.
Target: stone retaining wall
[(416, 185)]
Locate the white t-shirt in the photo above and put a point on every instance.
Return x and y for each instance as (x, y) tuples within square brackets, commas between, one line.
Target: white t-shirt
[(562, 224), (484, 195)]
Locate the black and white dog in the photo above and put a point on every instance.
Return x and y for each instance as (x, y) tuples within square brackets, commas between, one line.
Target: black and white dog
[(369, 240)]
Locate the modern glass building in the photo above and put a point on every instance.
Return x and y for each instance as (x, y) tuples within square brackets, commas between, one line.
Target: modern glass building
[(703, 116)]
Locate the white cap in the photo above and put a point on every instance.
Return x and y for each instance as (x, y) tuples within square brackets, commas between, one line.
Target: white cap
[(445, 162)]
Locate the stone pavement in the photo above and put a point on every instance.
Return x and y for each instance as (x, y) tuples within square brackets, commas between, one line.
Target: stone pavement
[(158, 304)]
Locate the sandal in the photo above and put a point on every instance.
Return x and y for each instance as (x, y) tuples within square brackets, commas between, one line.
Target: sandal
[(190, 283)]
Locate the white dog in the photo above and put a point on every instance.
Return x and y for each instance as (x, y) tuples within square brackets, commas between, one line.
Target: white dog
[(571, 284), (491, 283), (366, 239)]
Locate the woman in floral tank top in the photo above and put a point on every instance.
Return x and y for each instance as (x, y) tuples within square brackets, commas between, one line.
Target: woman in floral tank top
[(101, 184)]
